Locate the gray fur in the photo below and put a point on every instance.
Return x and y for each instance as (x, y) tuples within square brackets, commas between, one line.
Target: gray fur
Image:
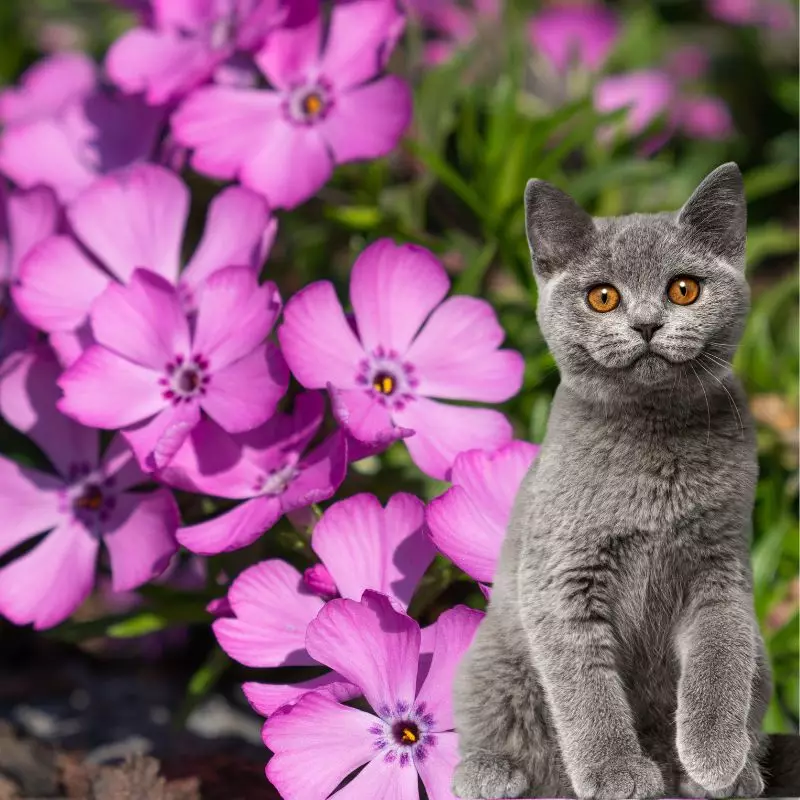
[(620, 655)]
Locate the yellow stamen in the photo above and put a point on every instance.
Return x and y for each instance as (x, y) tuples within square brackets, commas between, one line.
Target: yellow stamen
[(312, 104), (383, 384), (408, 737)]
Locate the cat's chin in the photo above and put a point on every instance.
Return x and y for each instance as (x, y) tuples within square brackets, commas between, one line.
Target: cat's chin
[(651, 368)]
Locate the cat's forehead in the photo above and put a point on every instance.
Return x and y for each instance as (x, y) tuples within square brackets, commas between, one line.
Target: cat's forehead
[(641, 246)]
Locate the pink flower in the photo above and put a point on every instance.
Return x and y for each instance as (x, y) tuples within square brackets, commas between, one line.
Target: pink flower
[(134, 218), (151, 373), (84, 503), (26, 217), (325, 106), (648, 94), (468, 522), (689, 62), (361, 545), (376, 648), (704, 117), (63, 128), (574, 35), (775, 14), (186, 43), (381, 378), (266, 467)]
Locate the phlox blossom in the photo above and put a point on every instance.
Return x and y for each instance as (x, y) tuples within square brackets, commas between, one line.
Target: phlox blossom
[(407, 347), (135, 217), (361, 545), (153, 370), (63, 128), (186, 43), (325, 105), (83, 503), (468, 522), (318, 742)]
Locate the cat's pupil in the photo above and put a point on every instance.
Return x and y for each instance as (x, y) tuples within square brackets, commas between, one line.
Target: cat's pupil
[(682, 287)]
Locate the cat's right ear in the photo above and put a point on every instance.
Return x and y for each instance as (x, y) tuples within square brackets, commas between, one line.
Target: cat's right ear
[(558, 228)]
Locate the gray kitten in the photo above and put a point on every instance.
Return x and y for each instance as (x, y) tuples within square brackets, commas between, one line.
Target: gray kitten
[(620, 655)]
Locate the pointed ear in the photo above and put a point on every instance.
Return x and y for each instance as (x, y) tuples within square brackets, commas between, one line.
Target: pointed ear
[(558, 228), (716, 214)]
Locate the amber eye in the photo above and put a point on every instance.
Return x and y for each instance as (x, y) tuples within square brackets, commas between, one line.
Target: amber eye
[(603, 298), (683, 291)]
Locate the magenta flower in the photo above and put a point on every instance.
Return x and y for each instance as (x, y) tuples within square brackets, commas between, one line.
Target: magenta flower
[(468, 522), (381, 378), (63, 128), (704, 117), (326, 106), (775, 14), (376, 648), (688, 62), (647, 93), (186, 43), (361, 545), (266, 467), (26, 217), (134, 218), (571, 35), (151, 373), (83, 503)]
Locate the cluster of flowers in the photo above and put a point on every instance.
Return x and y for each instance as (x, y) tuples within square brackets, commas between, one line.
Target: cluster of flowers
[(105, 325)]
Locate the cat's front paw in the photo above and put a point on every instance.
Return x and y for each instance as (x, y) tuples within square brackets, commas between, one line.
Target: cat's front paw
[(748, 784), (714, 762), (620, 777), (484, 776)]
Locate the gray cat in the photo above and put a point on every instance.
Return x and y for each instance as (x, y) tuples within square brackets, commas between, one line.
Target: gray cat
[(620, 655)]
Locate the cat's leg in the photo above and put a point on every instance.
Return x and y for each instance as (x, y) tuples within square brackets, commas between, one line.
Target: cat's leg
[(723, 686), (749, 782), (574, 646), (505, 748)]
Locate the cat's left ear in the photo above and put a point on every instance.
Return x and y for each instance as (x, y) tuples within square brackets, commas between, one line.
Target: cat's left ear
[(716, 214)]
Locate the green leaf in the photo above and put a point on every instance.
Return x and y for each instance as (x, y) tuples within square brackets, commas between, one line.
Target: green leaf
[(362, 218)]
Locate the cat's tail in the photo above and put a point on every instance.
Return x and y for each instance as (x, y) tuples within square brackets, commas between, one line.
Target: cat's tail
[(780, 765)]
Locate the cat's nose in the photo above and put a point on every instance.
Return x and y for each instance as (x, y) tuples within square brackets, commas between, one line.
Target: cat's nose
[(647, 331)]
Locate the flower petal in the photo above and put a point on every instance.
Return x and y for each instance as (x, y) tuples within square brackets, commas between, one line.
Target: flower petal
[(292, 51), (239, 231), (393, 288), (456, 357), (369, 644), (360, 40), (292, 164), (368, 547), (120, 463), (162, 64), (47, 584), (438, 765), (225, 125), (322, 472), (30, 503), (316, 731), (232, 530), (33, 215), (143, 321), (317, 342), (28, 396), (273, 609), (234, 315), (369, 121), (266, 698), (140, 537), (70, 345), (244, 394), (442, 431), (382, 780), (455, 629), (104, 390), (156, 440), (57, 284), (361, 413), (133, 218)]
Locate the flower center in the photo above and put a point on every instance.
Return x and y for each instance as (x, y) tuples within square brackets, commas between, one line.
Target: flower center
[(384, 383), (185, 380), (275, 481), (389, 378), (90, 499), (309, 104), (406, 732)]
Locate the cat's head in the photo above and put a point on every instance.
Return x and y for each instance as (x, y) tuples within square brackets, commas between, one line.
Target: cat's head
[(632, 305)]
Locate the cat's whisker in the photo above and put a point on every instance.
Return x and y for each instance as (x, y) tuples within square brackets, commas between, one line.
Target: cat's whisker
[(716, 359), (730, 396), (708, 407)]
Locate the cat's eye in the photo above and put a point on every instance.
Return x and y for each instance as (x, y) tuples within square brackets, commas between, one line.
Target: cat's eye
[(603, 298), (683, 291)]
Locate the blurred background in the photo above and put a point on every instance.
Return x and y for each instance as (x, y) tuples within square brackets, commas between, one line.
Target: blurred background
[(644, 100)]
